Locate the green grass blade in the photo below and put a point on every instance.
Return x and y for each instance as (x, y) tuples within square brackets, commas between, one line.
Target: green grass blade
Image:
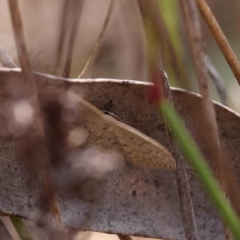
[(21, 228)]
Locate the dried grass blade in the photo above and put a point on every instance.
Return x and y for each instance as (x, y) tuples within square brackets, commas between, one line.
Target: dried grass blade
[(219, 37), (76, 7), (189, 221), (100, 37), (217, 80), (193, 26), (63, 33), (35, 134)]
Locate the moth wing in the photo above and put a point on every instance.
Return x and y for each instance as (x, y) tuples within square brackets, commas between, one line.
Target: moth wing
[(109, 141), (93, 120), (105, 131), (141, 150)]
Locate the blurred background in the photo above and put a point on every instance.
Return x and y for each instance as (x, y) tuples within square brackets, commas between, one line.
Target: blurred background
[(122, 53)]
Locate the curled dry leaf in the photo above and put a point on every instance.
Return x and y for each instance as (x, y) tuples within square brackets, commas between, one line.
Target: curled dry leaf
[(127, 200)]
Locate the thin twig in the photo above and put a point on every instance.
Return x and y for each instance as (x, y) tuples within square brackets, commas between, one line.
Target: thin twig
[(95, 50), (5, 59), (18, 223), (219, 37), (35, 134), (217, 80), (187, 210), (150, 14), (192, 22), (63, 33), (76, 5)]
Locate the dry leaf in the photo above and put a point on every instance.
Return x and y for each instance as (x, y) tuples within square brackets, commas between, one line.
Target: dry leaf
[(130, 200)]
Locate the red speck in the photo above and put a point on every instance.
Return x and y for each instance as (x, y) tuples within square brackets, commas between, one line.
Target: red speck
[(155, 93)]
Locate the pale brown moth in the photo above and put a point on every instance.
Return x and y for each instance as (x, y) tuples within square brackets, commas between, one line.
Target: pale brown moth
[(106, 132)]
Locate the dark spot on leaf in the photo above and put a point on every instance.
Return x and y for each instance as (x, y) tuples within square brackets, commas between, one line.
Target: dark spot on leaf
[(134, 193), (156, 183), (108, 106), (161, 127), (29, 205)]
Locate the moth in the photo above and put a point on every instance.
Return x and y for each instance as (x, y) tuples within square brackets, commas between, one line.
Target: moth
[(108, 133)]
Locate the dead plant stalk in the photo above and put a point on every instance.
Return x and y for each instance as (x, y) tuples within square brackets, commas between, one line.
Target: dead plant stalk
[(193, 26)]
